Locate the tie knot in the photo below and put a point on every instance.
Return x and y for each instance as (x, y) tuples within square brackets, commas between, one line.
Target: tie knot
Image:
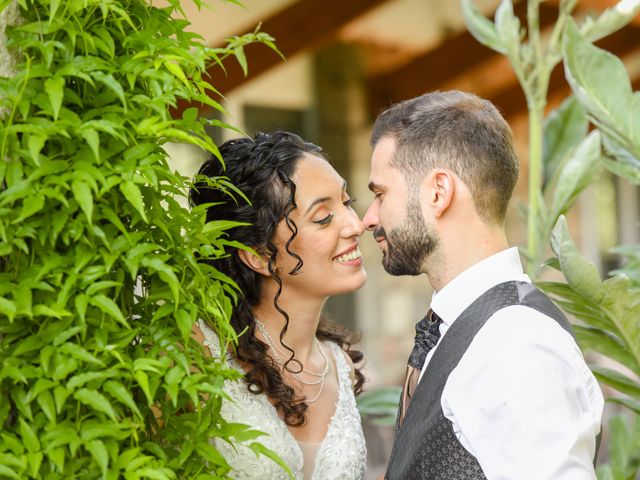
[(427, 336)]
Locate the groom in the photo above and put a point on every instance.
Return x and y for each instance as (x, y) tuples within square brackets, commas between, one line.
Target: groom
[(496, 386)]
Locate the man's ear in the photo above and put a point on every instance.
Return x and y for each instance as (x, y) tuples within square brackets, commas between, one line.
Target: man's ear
[(440, 187), (255, 261)]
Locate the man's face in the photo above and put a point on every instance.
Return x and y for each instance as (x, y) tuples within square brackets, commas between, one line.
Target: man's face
[(395, 216)]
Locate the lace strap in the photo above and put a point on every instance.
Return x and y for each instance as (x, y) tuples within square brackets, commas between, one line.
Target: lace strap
[(346, 375)]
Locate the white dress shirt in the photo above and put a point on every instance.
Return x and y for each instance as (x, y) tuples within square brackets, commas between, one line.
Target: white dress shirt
[(521, 400)]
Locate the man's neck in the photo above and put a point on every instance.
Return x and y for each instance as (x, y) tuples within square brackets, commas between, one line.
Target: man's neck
[(461, 252)]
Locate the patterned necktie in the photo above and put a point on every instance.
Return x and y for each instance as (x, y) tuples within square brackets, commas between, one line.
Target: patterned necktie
[(427, 335)]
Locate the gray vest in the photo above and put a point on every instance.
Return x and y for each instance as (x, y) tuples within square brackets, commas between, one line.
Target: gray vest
[(425, 447)]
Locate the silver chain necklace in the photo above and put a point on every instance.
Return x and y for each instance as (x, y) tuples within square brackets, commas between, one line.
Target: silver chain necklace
[(277, 358)]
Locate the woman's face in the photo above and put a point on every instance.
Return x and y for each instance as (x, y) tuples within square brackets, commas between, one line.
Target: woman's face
[(328, 234)]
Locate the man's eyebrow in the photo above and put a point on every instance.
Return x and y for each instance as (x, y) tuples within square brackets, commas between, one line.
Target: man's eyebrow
[(324, 199), (374, 186)]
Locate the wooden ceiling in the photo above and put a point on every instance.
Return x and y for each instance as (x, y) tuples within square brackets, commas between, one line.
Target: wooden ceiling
[(459, 61)]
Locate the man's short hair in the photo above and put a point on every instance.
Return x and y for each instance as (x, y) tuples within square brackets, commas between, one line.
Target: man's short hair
[(460, 132)]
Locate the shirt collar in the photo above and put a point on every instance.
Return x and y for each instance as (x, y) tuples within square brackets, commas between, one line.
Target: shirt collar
[(459, 293)]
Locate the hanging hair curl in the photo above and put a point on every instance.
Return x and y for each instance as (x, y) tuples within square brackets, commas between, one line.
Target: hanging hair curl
[(261, 168)]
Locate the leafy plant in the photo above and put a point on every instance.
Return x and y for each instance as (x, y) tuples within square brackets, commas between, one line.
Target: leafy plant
[(100, 279), (624, 446), (380, 404), (561, 160), (569, 159), (609, 308)]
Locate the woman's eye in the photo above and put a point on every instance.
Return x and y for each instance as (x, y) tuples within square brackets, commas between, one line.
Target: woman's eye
[(349, 202), (325, 220)]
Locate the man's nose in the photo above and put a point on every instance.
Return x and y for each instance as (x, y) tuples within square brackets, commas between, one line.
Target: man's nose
[(370, 218)]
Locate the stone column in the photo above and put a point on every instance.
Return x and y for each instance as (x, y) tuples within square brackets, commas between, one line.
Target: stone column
[(338, 117), (8, 16)]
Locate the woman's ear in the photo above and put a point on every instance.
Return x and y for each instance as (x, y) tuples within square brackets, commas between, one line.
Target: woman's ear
[(255, 261)]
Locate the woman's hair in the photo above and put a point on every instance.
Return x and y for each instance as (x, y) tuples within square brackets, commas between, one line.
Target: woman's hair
[(261, 168)]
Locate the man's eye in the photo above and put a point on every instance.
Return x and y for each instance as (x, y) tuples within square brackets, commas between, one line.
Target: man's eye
[(325, 220)]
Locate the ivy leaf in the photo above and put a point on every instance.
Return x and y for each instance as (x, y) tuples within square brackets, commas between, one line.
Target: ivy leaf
[(260, 449), (82, 194), (29, 438), (112, 84), (7, 472), (143, 382), (31, 205), (92, 138), (132, 193), (121, 394), (45, 400), (109, 307), (7, 308), (97, 401), (54, 87), (53, 9), (238, 52), (100, 455)]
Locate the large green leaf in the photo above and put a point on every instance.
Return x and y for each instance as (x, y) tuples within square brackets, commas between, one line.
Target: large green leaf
[(581, 274), (601, 84), (621, 382), (480, 27), (380, 403), (622, 163), (508, 28), (610, 20), (575, 175), (621, 301), (607, 344), (564, 128)]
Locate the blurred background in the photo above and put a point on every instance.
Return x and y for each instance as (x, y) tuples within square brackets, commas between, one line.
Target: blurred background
[(345, 60)]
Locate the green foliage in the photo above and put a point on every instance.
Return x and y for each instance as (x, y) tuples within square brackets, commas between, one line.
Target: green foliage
[(562, 162), (624, 446), (380, 404), (100, 279), (560, 166), (609, 310)]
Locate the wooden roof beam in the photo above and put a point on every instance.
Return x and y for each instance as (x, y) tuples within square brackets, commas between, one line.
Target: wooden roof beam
[(599, 6), (511, 101), (303, 25), (436, 69)]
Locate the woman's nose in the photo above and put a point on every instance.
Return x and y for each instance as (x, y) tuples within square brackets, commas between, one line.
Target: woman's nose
[(353, 226)]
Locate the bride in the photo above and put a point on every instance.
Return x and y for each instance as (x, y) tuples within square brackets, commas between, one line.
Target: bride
[(300, 377)]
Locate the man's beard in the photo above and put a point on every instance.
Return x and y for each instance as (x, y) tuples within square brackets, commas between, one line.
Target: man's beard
[(408, 245)]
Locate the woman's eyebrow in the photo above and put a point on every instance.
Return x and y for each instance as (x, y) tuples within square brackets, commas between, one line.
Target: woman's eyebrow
[(316, 202), (324, 199)]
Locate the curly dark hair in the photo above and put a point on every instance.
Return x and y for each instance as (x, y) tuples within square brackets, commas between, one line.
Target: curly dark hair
[(261, 168)]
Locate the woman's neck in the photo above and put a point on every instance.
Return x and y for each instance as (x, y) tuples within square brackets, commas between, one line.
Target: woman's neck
[(301, 331)]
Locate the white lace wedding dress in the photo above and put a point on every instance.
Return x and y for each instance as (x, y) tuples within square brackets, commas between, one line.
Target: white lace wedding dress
[(340, 456)]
